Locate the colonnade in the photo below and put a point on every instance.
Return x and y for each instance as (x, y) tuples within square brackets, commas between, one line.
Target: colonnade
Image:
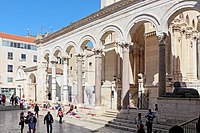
[(98, 69)]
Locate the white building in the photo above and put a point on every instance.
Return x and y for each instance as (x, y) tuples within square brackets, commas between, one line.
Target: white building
[(17, 53), (158, 39)]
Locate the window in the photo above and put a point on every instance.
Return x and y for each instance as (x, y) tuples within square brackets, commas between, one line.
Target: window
[(34, 58), (23, 57), (59, 60), (29, 46), (15, 44), (10, 68), (6, 43), (10, 55), (22, 45), (10, 79), (90, 63), (11, 44)]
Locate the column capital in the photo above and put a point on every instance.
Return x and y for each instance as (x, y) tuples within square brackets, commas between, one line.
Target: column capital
[(65, 58), (162, 38), (125, 45), (79, 56), (98, 52), (53, 60)]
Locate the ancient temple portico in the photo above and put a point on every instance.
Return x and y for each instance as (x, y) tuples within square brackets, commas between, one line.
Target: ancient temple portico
[(100, 56)]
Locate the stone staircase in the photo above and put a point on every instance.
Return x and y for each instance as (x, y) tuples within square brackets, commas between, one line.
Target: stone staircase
[(126, 121)]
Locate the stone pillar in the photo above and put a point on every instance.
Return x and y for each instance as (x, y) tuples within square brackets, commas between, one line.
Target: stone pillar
[(162, 64), (176, 51), (125, 75), (41, 81), (79, 79), (53, 80), (194, 57), (64, 91), (198, 58), (189, 58), (98, 54)]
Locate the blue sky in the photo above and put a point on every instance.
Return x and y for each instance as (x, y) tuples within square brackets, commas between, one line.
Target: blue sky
[(16, 16)]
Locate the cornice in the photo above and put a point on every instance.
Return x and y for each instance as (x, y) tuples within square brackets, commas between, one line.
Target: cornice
[(91, 18), (149, 34)]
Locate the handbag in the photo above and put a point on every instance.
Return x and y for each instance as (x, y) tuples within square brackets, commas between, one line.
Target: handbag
[(20, 123)]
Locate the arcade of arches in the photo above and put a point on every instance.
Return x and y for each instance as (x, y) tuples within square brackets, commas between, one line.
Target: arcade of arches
[(122, 52)]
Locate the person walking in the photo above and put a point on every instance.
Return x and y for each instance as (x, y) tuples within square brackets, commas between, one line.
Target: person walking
[(12, 99), (36, 109), (32, 123), (22, 120), (138, 120), (48, 120), (60, 115), (149, 120)]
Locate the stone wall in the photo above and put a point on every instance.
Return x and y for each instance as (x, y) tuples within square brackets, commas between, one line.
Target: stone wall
[(176, 110)]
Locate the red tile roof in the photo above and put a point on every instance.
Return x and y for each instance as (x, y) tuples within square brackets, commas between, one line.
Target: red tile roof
[(17, 37)]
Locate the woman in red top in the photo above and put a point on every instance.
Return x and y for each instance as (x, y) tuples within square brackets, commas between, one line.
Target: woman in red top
[(60, 115)]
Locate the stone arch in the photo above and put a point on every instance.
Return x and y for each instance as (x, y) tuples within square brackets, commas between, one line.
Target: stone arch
[(57, 50), (32, 78), (176, 9), (139, 19), (85, 39), (32, 83), (46, 55), (108, 29), (68, 47)]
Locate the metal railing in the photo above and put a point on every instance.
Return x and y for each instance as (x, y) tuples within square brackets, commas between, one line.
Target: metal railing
[(190, 126)]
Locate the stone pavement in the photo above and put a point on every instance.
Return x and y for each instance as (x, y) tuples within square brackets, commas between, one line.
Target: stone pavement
[(9, 123), (8, 106)]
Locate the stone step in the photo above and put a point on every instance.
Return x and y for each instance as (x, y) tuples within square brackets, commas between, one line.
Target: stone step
[(109, 115), (121, 127), (112, 111), (102, 119), (133, 128), (130, 123)]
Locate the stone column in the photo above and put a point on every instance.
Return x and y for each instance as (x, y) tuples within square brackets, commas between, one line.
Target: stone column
[(189, 57), (162, 64), (64, 91), (41, 80), (53, 80), (194, 57), (79, 79), (198, 58), (125, 75), (98, 54)]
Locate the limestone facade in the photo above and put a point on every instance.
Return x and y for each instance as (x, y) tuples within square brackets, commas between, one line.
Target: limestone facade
[(158, 39)]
